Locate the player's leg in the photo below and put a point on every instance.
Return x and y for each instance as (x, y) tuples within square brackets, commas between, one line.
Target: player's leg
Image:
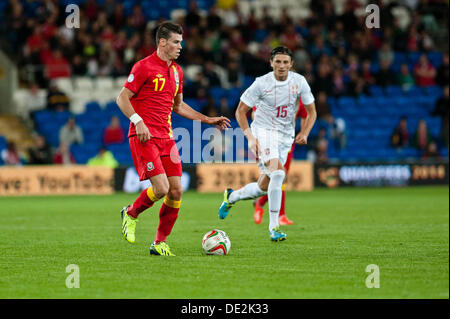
[(148, 166), (274, 193), (249, 191), (168, 213), (283, 220), (260, 202)]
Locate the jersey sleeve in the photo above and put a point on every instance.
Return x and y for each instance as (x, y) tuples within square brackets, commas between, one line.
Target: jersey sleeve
[(252, 94), (180, 72), (137, 78), (302, 113), (305, 93)]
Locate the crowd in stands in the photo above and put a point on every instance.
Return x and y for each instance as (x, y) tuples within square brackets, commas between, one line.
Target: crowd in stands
[(337, 53)]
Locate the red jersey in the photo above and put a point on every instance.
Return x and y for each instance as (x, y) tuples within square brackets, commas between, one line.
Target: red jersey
[(155, 85)]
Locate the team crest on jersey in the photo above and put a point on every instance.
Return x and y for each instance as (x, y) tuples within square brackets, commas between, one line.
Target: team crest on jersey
[(150, 166), (267, 150), (131, 78), (294, 89)]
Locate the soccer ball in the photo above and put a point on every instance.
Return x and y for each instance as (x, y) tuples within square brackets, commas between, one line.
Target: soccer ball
[(216, 242)]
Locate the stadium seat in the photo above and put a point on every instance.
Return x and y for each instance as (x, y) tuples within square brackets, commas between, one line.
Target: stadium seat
[(104, 83), (65, 85), (84, 83), (376, 90), (435, 58), (3, 142)]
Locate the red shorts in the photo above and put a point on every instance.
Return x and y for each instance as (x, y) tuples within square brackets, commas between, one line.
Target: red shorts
[(289, 158), (154, 157)]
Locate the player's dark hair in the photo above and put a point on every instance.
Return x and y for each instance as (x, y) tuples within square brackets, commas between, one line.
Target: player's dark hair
[(280, 50), (165, 29)]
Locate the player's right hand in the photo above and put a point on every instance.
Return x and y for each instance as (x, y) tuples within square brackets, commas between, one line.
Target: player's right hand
[(142, 132)]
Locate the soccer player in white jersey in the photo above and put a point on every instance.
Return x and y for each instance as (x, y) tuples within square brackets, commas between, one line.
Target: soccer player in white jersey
[(272, 132)]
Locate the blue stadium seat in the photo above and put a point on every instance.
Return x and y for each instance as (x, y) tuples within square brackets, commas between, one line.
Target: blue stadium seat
[(93, 107), (376, 90), (434, 90), (394, 90), (3, 142), (217, 93), (435, 58), (234, 95)]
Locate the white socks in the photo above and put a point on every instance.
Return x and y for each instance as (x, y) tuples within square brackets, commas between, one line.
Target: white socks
[(274, 193), (249, 191)]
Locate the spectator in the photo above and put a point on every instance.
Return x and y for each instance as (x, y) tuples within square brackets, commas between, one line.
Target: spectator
[(56, 99), (57, 66), (34, 101), (63, 155), (322, 107), (70, 133), (386, 54), (338, 132), (11, 155), (431, 152), (385, 76), (366, 72), (224, 108), (404, 78), (400, 137), (442, 77), (319, 145), (442, 109), (210, 109), (357, 85), (421, 137), (40, 153), (103, 158), (113, 133), (424, 72), (338, 83), (211, 74)]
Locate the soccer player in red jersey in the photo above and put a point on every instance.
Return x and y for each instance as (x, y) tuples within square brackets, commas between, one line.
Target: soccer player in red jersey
[(152, 91), (261, 201)]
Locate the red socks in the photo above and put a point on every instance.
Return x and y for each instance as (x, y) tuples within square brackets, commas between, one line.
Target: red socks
[(144, 201), (167, 216)]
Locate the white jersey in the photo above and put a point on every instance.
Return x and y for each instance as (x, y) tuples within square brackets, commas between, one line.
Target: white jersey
[(277, 102)]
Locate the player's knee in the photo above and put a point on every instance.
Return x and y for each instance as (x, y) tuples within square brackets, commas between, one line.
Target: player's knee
[(263, 186), (175, 193), (160, 190)]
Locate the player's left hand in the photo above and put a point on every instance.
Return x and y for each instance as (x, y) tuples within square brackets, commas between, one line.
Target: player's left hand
[(221, 122), (301, 139)]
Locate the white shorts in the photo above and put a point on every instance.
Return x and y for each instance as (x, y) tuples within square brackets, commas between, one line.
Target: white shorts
[(273, 144)]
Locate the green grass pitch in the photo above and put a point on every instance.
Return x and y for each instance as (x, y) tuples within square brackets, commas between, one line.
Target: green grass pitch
[(336, 234)]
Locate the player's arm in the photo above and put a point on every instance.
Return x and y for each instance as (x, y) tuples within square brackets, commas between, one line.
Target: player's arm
[(180, 107), (307, 124), (241, 117), (123, 101)]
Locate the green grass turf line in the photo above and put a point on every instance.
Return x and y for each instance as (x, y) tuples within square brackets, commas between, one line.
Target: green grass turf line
[(337, 233)]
